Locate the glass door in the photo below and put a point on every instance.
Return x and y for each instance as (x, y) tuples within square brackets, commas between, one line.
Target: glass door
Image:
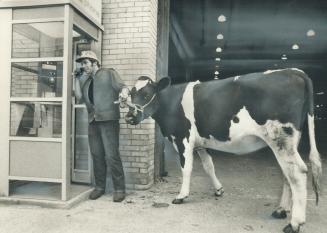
[(81, 169)]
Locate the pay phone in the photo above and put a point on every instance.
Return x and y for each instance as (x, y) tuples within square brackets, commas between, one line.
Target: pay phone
[(48, 80)]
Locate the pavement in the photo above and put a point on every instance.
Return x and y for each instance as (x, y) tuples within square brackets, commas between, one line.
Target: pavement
[(252, 186)]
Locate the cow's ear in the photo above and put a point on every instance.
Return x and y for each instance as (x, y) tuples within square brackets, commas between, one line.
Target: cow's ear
[(163, 83)]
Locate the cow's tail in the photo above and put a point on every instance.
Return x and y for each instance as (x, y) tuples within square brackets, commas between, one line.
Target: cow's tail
[(314, 155)]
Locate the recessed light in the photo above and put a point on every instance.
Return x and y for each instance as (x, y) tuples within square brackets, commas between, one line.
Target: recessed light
[(220, 36), (218, 50), (217, 59), (221, 18), (295, 46), (311, 33), (216, 72), (284, 57)]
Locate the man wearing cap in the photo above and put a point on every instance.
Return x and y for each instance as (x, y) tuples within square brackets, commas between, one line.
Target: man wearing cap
[(99, 88)]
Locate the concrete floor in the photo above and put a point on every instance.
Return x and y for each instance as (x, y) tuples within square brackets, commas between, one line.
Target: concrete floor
[(252, 187)]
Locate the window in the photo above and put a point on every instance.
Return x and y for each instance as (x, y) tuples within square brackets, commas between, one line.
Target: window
[(38, 40)]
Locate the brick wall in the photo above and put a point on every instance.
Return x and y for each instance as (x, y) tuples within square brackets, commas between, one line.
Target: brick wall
[(129, 46)]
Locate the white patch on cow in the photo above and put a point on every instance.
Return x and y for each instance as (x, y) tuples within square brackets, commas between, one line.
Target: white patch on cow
[(236, 78), (314, 154), (244, 136), (312, 132), (298, 70), (174, 142), (140, 84), (271, 71), (286, 199), (188, 107), (209, 168)]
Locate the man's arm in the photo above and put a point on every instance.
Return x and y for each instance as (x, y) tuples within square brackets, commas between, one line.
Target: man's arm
[(78, 90), (79, 79), (119, 85)]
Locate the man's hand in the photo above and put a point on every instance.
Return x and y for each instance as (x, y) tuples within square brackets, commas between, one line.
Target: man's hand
[(124, 94), (78, 72), (123, 97)]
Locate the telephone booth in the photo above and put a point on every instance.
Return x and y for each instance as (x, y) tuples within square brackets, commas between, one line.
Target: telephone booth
[(44, 154)]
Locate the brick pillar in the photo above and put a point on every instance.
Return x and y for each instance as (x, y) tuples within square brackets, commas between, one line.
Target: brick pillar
[(129, 46)]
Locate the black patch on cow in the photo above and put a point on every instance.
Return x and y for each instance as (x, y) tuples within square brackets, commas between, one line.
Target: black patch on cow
[(264, 96), (181, 150), (236, 119), (171, 118), (288, 130), (280, 142), (213, 109)]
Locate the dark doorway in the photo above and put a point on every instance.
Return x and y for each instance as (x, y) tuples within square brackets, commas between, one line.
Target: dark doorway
[(223, 38)]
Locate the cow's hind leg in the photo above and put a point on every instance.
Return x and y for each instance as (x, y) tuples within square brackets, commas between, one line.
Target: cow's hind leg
[(295, 171), (285, 202), (210, 170)]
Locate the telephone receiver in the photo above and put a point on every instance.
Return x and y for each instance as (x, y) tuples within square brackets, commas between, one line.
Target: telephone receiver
[(78, 71)]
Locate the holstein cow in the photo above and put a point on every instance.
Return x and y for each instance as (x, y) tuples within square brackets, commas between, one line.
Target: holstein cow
[(239, 115)]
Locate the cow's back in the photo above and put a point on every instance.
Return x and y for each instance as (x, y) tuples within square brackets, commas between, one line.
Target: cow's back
[(272, 96)]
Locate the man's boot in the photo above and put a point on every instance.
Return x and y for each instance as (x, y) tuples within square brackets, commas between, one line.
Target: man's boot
[(96, 193), (119, 196)]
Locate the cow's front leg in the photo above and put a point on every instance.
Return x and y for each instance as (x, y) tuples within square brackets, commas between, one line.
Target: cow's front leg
[(186, 159)]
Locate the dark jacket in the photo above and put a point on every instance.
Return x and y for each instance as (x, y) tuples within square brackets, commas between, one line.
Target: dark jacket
[(106, 87)]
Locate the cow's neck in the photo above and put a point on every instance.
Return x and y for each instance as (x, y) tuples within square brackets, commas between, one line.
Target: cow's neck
[(163, 109), (157, 115), (169, 109)]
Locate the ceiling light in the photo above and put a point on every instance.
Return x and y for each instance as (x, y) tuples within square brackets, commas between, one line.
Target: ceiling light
[(216, 72), (284, 57), (311, 33), (217, 59), (221, 18), (220, 36), (218, 50), (295, 46), (76, 34)]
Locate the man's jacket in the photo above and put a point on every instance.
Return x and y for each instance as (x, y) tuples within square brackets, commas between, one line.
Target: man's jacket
[(99, 94)]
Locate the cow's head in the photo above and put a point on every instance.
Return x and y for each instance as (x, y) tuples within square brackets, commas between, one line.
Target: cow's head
[(144, 99)]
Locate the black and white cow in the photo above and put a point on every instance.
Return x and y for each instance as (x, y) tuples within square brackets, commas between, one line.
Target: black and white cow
[(239, 115)]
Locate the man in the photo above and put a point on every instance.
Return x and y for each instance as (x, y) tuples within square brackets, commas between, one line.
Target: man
[(99, 88)]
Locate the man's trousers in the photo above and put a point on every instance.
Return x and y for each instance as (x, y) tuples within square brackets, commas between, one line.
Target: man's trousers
[(104, 147)]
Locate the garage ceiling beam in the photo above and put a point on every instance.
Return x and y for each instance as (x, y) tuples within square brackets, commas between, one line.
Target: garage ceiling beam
[(184, 50)]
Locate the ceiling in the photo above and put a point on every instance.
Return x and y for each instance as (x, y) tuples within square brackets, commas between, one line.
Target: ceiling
[(257, 34)]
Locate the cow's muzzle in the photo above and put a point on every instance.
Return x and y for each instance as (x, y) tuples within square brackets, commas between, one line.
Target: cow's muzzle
[(131, 118), (135, 114)]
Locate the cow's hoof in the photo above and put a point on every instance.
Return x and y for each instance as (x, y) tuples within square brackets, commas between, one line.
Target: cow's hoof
[(178, 201), (279, 214), (289, 229), (219, 192)]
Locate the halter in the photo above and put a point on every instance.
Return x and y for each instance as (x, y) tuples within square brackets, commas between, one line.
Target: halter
[(140, 108)]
